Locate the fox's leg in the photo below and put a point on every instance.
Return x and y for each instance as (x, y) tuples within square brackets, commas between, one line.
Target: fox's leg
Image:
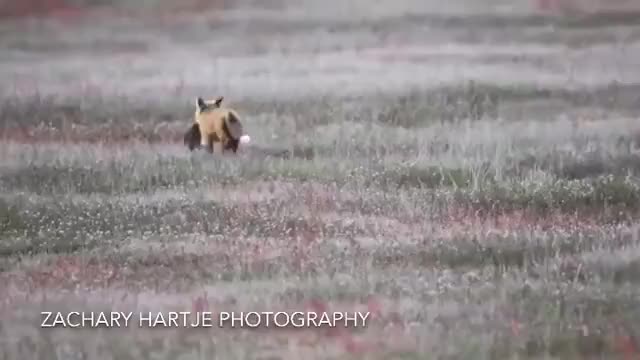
[(224, 144), (206, 142), (233, 145), (210, 147), (230, 144), (204, 138)]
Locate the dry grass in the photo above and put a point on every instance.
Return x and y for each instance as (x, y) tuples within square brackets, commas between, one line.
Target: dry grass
[(478, 195)]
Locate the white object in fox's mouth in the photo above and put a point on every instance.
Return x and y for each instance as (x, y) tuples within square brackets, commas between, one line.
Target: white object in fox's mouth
[(245, 139)]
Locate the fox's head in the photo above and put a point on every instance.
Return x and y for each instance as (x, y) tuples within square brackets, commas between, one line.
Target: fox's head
[(202, 105)]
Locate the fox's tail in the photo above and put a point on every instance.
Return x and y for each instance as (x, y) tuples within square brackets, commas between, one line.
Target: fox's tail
[(192, 137), (232, 126)]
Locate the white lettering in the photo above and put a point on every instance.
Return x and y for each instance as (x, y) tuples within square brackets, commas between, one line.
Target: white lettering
[(300, 319), (207, 319), (296, 319), (47, 315), (257, 323), (143, 318), (278, 323), (364, 318), (349, 318), (311, 318), (159, 319), (325, 319), (267, 316), (59, 320), (337, 316), (71, 324), (224, 316)]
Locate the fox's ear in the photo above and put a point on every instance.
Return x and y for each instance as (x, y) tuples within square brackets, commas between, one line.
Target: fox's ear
[(219, 101), (200, 104)]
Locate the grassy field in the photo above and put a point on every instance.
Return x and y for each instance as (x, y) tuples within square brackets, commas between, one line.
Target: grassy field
[(468, 172)]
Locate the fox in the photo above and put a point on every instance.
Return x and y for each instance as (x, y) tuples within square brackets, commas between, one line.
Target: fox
[(192, 137), (213, 123)]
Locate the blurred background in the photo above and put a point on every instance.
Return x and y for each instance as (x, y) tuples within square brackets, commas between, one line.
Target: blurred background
[(260, 51), (44, 7), (255, 48)]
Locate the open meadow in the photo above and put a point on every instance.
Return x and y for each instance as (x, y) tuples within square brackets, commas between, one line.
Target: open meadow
[(467, 171)]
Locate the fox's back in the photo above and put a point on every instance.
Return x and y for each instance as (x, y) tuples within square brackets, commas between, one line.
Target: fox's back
[(212, 121)]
